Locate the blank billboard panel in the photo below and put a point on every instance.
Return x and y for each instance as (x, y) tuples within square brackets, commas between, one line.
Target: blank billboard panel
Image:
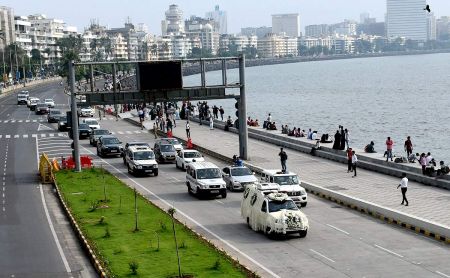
[(166, 75)]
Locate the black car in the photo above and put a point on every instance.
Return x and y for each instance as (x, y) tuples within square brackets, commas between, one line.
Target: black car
[(109, 145), (97, 133), (41, 108), (83, 130), (62, 123), (54, 115)]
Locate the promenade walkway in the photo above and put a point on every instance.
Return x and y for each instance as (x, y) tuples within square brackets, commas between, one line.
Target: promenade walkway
[(426, 202)]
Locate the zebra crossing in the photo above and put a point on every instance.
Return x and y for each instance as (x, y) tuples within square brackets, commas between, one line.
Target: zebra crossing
[(63, 134), (15, 121)]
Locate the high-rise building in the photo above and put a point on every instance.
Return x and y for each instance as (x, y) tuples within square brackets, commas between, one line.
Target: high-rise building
[(220, 19), (174, 21), (7, 29), (431, 27), (363, 17), (286, 23), (202, 29), (407, 19), (443, 28), (260, 32), (317, 31)]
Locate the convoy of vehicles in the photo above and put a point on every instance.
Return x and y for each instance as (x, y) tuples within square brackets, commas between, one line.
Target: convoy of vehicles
[(41, 108), (141, 160), (92, 123), (184, 157), (54, 115), (205, 179), (289, 183), (97, 133), (109, 145), (22, 98), (50, 102), (85, 112), (237, 177), (164, 151)]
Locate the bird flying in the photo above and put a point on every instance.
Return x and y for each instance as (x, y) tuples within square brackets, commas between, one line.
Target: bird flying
[(427, 8)]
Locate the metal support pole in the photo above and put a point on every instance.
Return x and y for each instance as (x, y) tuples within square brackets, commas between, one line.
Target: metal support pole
[(202, 72), (73, 105), (243, 132), (224, 72), (91, 71), (115, 90)]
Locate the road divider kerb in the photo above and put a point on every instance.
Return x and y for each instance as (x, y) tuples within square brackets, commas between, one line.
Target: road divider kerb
[(416, 224)]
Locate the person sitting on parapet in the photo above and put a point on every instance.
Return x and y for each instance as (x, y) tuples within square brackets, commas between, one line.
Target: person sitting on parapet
[(283, 129), (309, 134), (272, 126), (249, 121), (370, 148), (256, 123), (314, 135), (291, 132)]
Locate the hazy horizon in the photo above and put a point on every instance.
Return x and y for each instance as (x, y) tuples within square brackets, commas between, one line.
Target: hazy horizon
[(241, 14)]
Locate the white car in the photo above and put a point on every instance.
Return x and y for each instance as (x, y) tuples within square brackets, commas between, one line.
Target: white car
[(32, 100), (266, 209), (204, 179), (174, 142), (238, 177), (50, 102), (141, 160), (86, 112), (289, 183), (184, 157), (92, 123)]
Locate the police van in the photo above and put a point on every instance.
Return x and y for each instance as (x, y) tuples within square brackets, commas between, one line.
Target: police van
[(141, 160), (289, 183), (267, 210), (205, 179)]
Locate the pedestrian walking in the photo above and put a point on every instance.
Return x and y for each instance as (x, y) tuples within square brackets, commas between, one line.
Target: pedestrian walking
[(99, 114), (423, 162), (354, 161), (389, 146), (283, 157), (188, 129), (404, 187), (221, 111), (141, 117), (211, 122), (349, 160), (408, 146), (155, 130), (169, 124)]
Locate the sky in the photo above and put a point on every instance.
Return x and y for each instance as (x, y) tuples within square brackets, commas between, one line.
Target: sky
[(241, 13)]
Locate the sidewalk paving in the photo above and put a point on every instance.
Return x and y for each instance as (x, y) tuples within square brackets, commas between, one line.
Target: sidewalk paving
[(429, 203)]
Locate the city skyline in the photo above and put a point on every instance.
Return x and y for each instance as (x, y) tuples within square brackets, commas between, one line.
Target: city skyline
[(240, 14)]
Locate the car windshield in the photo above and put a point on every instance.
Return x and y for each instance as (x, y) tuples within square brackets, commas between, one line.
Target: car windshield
[(111, 141), (91, 122), (56, 112), (34, 100), (83, 126), (63, 119), (286, 180), (167, 148), (144, 155), (275, 206), (138, 144), (101, 132), (192, 155), (172, 141), (211, 173), (243, 171), (41, 105), (48, 100)]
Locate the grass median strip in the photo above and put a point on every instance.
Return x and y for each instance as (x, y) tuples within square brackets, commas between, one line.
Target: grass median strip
[(105, 209)]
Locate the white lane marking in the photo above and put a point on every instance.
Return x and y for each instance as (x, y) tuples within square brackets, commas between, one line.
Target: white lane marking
[(25, 136), (129, 132), (58, 245), (112, 133), (191, 219), (323, 256), (43, 135), (34, 121), (5, 121), (20, 121), (120, 132), (337, 229), (389, 251), (137, 131), (13, 121), (34, 135), (1, 136), (176, 179), (7, 136), (16, 136), (27, 121), (218, 201), (440, 273), (51, 135)]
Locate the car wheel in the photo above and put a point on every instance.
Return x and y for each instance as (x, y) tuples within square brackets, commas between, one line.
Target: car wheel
[(98, 153), (230, 186), (182, 167), (156, 173), (176, 164), (303, 205), (91, 143), (124, 161), (302, 234), (189, 188), (248, 223), (129, 169), (224, 194)]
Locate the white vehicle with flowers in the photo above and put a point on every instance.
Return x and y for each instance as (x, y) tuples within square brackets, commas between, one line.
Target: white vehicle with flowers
[(267, 210)]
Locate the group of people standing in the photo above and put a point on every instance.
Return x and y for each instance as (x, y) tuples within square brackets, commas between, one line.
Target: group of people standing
[(341, 139)]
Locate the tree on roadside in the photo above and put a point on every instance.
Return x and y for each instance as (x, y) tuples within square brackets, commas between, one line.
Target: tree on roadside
[(172, 211)]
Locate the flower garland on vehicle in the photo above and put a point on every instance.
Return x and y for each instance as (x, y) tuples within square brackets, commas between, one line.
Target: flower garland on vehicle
[(292, 221), (279, 197)]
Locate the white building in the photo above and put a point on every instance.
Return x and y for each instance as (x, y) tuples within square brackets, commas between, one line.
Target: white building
[(319, 30), (44, 33), (119, 47), (406, 18), (431, 27), (23, 34), (174, 21), (7, 27), (220, 19), (286, 23), (275, 46), (201, 29), (346, 28), (87, 53)]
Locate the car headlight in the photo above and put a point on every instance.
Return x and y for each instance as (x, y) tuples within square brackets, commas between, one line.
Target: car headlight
[(155, 165), (236, 183), (138, 167), (105, 148)]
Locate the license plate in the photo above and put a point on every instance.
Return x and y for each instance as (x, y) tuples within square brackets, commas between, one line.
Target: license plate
[(214, 191), (83, 133), (113, 151), (148, 171)]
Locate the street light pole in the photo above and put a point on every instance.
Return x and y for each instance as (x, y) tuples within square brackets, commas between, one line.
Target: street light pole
[(75, 134)]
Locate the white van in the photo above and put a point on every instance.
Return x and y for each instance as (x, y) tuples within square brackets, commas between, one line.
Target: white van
[(205, 178), (271, 212), (289, 183)]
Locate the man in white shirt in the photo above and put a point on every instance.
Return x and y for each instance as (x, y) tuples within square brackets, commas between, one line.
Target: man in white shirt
[(404, 187), (354, 161), (188, 129), (428, 158)]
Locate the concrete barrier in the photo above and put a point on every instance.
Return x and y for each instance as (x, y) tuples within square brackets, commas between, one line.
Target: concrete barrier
[(11, 89)]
